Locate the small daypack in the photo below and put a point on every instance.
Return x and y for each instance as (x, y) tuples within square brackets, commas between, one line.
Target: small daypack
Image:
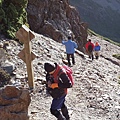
[(90, 48), (69, 72)]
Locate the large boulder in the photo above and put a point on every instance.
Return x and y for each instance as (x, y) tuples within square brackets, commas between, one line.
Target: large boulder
[(14, 103), (56, 19)]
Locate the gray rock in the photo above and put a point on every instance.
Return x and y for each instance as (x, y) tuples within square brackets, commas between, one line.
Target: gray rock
[(8, 66)]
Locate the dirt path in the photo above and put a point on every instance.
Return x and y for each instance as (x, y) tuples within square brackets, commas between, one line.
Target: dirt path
[(95, 95)]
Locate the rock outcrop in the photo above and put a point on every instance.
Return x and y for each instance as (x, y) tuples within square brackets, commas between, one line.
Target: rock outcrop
[(56, 19), (14, 103)]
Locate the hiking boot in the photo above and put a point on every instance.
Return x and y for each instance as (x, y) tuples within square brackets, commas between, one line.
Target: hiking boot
[(64, 111), (61, 117), (73, 63)]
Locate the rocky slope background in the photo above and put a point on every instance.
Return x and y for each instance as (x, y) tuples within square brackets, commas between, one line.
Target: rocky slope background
[(96, 93), (103, 16)]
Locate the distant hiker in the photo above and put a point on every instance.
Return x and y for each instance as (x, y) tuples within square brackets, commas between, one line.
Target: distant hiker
[(89, 48), (97, 50), (57, 85), (70, 49)]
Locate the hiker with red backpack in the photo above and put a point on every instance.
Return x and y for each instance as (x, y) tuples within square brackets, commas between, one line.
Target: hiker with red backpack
[(89, 49), (70, 49), (57, 82)]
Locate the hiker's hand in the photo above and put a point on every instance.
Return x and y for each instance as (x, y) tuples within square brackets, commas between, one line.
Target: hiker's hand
[(54, 85), (49, 84)]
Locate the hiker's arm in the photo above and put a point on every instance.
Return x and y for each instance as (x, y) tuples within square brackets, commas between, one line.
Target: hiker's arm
[(76, 46), (93, 46), (86, 46), (64, 81), (99, 48), (63, 42), (49, 80)]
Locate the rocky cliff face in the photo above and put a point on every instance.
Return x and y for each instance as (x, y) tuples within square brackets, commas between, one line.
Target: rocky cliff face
[(56, 19), (14, 103)]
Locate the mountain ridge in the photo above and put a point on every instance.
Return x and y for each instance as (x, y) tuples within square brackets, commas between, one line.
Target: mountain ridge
[(102, 16)]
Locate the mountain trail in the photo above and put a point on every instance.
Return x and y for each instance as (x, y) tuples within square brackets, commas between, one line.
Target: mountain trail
[(96, 92)]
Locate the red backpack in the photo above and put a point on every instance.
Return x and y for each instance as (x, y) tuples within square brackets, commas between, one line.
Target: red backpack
[(63, 69), (69, 72)]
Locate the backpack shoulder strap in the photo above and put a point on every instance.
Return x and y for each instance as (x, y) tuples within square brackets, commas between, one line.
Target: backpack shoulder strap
[(57, 73)]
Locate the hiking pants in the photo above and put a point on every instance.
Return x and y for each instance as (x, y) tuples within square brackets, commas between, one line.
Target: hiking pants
[(97, 54), (57, 105), (90, 54), (73, 59)]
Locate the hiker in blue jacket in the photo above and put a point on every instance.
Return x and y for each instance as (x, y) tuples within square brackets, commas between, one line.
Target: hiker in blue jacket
[(70, 49), (97, 50)]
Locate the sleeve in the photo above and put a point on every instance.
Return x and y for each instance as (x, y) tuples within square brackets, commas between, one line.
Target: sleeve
[(49, 78), (63, 42), (64, 81), (93, 45), (86, 46), (75, 45), (99, 48), (48, 89)]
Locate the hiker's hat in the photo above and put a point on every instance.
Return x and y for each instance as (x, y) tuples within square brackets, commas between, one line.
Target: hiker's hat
[(69, 37), (89, 40), (49, 67), (96, 44)]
